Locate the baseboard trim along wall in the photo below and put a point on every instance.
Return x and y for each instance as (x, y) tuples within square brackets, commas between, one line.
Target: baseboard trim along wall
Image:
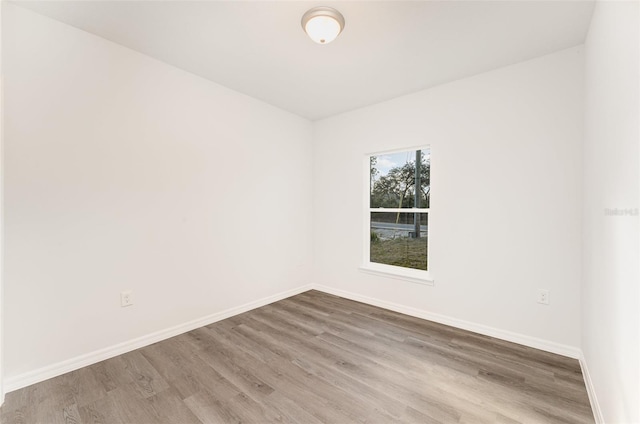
[(548, 346), (44, 373), (595, 406), (54, 370)]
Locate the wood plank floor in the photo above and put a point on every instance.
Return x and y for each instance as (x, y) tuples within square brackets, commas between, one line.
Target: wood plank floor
[(315, 358)]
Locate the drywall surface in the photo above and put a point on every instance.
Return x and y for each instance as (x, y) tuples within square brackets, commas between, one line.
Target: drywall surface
[(505, 205), (611, 256), (123, 173)]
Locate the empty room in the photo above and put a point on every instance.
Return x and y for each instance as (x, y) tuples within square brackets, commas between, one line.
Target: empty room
[(320, 212)]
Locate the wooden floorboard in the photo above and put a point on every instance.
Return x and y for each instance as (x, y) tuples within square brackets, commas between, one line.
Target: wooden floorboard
[(315, 358)]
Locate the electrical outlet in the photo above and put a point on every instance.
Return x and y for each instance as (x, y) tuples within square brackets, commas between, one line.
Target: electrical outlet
[(543, 296), (126, 298)]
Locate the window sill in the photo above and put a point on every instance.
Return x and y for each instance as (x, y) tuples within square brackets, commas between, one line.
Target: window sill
[(405, 274)]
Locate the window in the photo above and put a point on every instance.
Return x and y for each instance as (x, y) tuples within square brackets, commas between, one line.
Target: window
[(397, 214)]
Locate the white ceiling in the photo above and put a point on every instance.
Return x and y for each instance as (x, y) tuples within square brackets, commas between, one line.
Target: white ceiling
[(387, 49)]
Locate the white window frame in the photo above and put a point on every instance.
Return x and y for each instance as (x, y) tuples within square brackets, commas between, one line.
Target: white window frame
[(412, 275)]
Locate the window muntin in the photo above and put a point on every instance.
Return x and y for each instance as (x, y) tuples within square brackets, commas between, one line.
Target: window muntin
[(398, 227)]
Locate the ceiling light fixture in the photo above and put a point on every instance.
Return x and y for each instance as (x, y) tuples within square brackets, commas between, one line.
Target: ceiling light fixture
[(322, 24)]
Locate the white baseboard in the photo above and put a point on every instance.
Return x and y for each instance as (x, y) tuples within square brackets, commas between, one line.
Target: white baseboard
[(595, 407), (54, 370), (548, 346), (44, 373)]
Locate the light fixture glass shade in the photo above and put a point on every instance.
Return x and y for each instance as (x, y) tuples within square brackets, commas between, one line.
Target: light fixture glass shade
[(323, 24)]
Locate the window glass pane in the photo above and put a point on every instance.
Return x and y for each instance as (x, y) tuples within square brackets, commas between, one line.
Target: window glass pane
[(396, 240), (393, 179)]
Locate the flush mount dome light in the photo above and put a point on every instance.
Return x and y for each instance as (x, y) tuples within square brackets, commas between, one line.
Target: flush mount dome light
[(322, 24)]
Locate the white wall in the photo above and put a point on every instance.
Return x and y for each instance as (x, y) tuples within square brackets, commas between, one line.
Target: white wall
[(125, 173), (611, 277), (505, 206)]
